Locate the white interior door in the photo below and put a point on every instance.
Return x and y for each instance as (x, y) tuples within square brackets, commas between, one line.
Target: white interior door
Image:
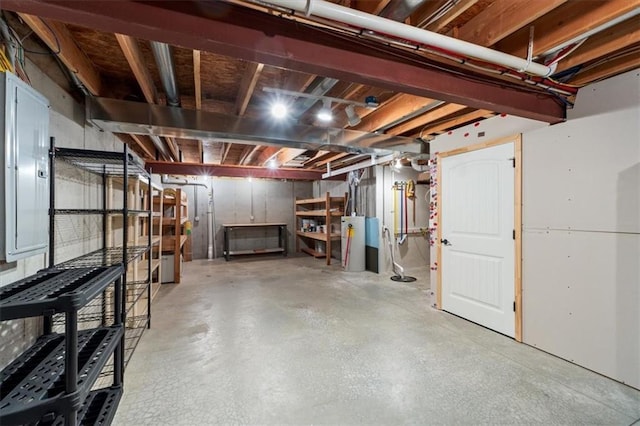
[(478, 247)]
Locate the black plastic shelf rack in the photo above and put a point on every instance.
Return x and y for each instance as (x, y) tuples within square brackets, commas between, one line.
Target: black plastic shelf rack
[(33, 385), (98, 409), (54, 290)]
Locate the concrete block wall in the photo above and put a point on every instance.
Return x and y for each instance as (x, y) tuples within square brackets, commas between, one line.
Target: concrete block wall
[(73, 235)]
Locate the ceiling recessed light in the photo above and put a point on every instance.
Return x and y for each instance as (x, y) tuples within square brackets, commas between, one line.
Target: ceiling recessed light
[(279, 110)]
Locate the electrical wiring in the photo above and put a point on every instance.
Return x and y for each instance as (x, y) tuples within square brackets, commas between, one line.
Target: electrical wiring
[(546, 85)]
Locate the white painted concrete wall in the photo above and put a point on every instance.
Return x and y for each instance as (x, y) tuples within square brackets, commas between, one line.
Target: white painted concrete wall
[(67, 126), (272, 200), (581, 226)]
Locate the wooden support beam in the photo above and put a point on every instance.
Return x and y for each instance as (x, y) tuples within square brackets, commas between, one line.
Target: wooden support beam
[(604, 44), (333, 156), (145, 145), (132, 53), (608, 68), (565, 23), (56, 35), (225, 152), (287, 154), (247, 86), (246, 152), (427, 118), (426, 12), (395, 108), (197, 82), (453, 13), (373, 7), (173, 148), (200, 151), (267, 153), (502, 18), (455, 122)]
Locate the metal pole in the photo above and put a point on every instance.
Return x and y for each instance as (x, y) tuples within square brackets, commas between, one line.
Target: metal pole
[(71, 360)]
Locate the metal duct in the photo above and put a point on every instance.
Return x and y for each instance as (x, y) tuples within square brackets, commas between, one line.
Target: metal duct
[(399, 10), (164, 60), (158, 120), (321, 89)]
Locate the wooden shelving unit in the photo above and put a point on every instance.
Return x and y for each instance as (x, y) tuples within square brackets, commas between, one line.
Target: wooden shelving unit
[(322, 210), (174, 207), (157, 241)]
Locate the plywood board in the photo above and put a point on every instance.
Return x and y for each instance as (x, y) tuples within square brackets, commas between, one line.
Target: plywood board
[(581, 298)]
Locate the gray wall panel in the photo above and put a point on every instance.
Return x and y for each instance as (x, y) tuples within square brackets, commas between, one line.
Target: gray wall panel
[(580, 299)]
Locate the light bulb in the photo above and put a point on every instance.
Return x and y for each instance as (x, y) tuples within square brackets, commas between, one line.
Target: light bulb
[(279, 110), (272, 164), (325, 113)]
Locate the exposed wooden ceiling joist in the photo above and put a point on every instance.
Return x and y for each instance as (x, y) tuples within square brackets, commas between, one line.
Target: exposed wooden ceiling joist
[(145, 145), (197, 81), (427, 118), (247, 85), (502, 18), (397, 107), (455, 122), (457, 10), (565, 23), (616, 38), (131, 50), (287, 154), (609, 67), (371, 6), (236, 31), (59, 40), (246, 152)]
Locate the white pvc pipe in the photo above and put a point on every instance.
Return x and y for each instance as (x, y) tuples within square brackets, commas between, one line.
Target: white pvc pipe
[(363, 20)]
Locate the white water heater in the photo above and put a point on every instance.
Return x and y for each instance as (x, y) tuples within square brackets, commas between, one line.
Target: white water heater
[(352, 239)]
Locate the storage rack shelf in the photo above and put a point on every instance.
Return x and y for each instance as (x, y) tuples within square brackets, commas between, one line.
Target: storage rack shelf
[(171, 222), (50, 383), (324, 209), (124, 209)]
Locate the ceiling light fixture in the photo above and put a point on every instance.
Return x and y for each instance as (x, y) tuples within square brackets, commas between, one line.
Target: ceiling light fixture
[(279, 110), (272, 164), (325, 114), (352, 117)]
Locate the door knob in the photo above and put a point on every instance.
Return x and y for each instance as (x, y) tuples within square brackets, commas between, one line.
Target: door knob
[(445, 242)]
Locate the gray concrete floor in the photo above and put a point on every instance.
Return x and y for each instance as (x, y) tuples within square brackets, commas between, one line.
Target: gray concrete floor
[(291, 341)]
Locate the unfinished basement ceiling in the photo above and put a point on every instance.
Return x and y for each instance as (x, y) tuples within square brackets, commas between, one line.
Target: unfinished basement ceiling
[(227, 53)]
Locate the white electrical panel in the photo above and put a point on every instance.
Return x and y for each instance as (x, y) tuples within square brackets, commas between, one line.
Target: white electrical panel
[(24, 202)]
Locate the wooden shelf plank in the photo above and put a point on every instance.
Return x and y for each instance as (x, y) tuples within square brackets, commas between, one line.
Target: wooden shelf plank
[(311, 201), (320, 236), (313, 253)]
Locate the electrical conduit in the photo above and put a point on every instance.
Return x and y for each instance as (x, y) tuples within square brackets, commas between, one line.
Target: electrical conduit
[(363, 20)]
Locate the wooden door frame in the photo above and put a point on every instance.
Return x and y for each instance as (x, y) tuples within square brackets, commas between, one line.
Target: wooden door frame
[(517, 223)]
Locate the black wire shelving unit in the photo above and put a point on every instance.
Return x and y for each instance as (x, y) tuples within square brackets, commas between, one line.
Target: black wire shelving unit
[(52, 381)]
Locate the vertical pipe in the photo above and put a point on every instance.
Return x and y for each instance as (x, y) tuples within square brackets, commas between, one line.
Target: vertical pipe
[(406, 213), (71, 360), (395, 209)]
